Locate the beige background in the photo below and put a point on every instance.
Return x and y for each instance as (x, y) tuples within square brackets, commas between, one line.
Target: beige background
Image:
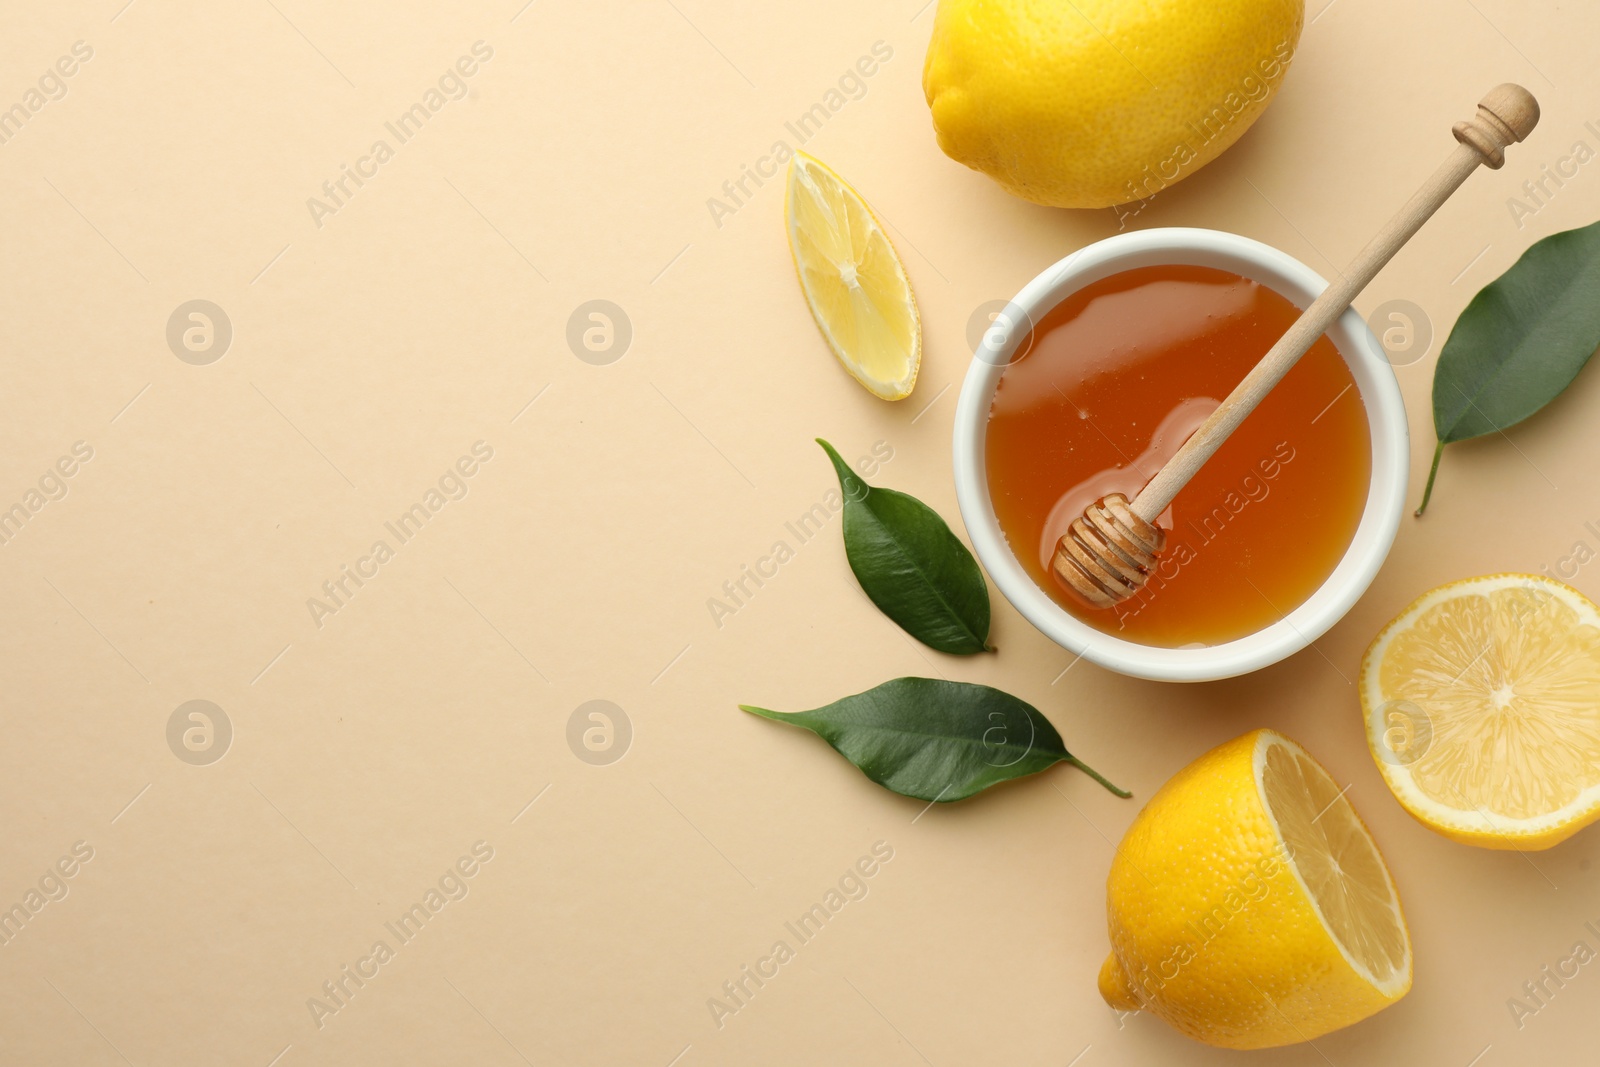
[(371, 752)]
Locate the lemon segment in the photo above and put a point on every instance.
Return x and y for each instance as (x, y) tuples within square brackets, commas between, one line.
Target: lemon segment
[(1249, 907), (853, 281), (1482, 708)]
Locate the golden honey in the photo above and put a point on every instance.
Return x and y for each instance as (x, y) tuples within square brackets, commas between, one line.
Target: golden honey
[(1110, 385)]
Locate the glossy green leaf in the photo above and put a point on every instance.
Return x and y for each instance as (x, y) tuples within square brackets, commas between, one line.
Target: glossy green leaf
[(937, 740), (1520, 341), (912, 566)]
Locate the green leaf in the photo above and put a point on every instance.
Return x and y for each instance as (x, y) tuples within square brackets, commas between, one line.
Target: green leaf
[(1520, 342), (937, 740), (912, 566)]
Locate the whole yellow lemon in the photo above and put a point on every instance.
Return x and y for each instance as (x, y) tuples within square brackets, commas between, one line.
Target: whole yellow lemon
[(1093, 103)]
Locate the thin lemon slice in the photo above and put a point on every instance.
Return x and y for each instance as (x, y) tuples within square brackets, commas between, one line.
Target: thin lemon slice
[(853, 281), (1482, 705), (1249, 907)]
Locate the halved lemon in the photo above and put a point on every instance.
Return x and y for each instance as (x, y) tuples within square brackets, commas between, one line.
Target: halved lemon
[(1482, 704), (1249, 907), (853, 281)]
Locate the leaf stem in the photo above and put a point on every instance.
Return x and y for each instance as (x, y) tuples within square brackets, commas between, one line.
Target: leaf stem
[(1433, 472), (1092, 773)]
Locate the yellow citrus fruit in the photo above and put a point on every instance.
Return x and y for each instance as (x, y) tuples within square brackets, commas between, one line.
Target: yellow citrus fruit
[(1100, 102), (853, 281), (1482, 704), (1249, 907)]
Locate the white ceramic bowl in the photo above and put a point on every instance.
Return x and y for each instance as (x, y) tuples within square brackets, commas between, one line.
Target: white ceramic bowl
[(1374, 377)]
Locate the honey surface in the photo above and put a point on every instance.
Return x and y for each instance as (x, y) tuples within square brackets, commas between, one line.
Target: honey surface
[(1113, 381)]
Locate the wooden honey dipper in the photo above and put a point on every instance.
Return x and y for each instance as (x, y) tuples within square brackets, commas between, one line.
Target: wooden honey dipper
[(1106, 556)]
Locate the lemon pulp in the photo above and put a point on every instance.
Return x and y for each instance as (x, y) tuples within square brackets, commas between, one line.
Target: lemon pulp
[(1337, 863)]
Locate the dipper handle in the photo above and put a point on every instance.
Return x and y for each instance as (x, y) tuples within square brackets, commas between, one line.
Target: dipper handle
[(1505, 116)]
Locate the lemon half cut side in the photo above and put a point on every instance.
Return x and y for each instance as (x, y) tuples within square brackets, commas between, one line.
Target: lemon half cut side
[(854, 282), (1334, 857), (1482, 708)]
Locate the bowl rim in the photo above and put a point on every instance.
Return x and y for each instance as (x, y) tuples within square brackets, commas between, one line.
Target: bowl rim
[(1375, 383)]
